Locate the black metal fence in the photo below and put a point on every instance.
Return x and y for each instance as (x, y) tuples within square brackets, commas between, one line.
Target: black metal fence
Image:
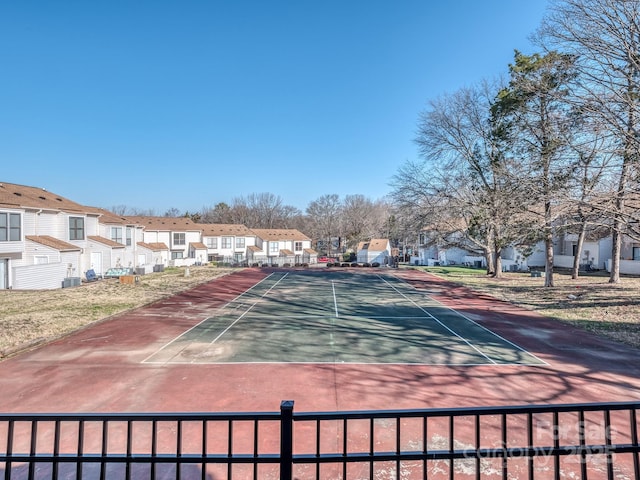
[(586, 441)]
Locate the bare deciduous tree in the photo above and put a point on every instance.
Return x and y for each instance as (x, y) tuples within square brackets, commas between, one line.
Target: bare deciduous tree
[(604, 37)]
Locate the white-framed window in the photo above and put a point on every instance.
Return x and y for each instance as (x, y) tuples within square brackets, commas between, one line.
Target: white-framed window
[(10, 227), (177, 254), (179, 239), (116, 234), (240, 242), (129, 237), (226, 242), (274, 247), (297, 246), (40, 259), (76, 228), (212, 242)]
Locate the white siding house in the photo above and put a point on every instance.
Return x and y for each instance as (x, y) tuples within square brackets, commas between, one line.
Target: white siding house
[(378, 250), (180, 234), (228, 243), (33, 222), (283, 247)]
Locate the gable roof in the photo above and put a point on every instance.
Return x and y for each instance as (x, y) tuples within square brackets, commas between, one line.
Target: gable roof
[(154, 246), (166, 224), (220, 229), (109, 218), (375, 245), (273, 234), (20, 196), (54, 243), (105, 241)]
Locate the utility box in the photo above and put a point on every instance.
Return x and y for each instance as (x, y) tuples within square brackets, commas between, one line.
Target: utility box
[(70, 282), (129, 279)]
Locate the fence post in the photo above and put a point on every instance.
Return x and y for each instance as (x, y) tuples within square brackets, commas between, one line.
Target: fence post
[(286, 440)]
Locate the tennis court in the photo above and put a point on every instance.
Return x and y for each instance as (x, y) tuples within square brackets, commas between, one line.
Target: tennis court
[(339, 317)]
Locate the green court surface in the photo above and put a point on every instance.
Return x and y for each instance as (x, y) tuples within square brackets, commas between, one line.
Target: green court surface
[(339, 317)]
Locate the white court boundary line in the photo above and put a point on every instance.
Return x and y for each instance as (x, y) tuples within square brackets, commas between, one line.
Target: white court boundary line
[(146, 360), (403, 281), (437, 320), (514, 345)]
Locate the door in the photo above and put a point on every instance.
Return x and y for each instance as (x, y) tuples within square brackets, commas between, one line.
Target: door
[(96, 262), (4, 273)]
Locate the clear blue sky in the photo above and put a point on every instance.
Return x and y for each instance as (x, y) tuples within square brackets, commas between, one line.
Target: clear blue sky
[(160, 104)]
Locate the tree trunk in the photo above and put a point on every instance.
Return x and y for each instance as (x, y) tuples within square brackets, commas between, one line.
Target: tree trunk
[(576, 257), (616, 237), (497, 273), (548, 266)]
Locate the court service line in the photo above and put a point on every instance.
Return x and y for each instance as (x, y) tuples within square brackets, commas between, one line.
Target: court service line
[(247, 310), (207, 318), (442, 324), (335, 300), (514, 345)]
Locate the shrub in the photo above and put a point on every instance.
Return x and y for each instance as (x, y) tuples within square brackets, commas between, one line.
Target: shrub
[(354, 264), (255, 264), (305, 265), (375, 264), (286, 265), (366, 264)]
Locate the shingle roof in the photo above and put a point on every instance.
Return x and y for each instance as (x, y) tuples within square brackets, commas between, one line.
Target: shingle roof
[(21, 196), (286, 252), (105, 241), (54, 243), (109, 218), (219, 229), (310, 251), (154, 246), (253, 248), (279, 234), (166, 224), (198, 245), (375, 245)]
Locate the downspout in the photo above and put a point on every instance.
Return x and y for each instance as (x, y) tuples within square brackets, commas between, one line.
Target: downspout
[(37, 217)]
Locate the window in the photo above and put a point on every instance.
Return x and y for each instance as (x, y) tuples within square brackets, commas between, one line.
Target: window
[(40, 259), (273, 247), (226, 242), (179, 239), (10, 227), (636, 253), (298, 246), (129, 241), (116, 234), (177, 254), (240, 242), (76, 228), (212, 243)]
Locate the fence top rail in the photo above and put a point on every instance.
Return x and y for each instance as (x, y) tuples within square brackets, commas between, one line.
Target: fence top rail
[(145, 417), (334, 415), (467, 411)]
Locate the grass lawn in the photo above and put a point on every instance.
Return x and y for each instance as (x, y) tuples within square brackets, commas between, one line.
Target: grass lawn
[(589, 302)]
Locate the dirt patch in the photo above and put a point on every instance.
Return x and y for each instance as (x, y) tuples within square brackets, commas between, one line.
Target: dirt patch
[(589, 302), (31, 317)]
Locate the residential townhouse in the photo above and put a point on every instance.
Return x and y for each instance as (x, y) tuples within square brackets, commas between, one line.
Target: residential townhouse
[(171, 241), (43, 237), (229, 243), (113, 242), (280, 247)]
